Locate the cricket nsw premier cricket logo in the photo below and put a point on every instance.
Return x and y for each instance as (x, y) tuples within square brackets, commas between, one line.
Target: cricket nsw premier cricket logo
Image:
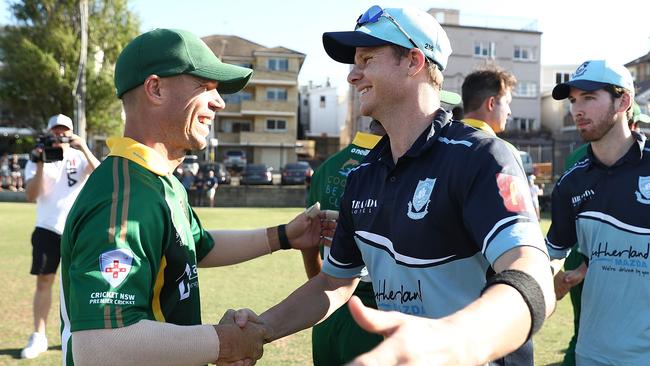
[(115, 266), (643, 194), (418, 207)]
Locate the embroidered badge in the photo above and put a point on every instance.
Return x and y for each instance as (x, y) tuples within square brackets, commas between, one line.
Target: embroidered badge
[(418, 207), (643, 194), (115, 266)]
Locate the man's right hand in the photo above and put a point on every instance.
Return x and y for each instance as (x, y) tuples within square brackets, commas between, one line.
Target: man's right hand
[(565, 280), (240, 344), (244, 337)]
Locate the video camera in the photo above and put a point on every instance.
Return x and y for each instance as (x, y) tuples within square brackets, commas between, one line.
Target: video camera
[(48, 153)]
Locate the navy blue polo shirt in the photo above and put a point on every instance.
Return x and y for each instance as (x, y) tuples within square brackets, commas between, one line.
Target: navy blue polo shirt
[(429, 227), (606, 210)]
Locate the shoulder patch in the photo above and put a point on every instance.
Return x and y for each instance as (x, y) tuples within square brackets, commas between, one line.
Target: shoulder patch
[(515, 193)]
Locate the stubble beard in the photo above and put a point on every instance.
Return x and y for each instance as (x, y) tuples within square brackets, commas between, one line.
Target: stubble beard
[(604, 125)]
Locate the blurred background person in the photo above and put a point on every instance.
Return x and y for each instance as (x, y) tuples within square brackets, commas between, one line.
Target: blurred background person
[(54, 185)]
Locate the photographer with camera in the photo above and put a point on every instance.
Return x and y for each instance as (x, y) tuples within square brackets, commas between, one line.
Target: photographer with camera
[(59, 166)]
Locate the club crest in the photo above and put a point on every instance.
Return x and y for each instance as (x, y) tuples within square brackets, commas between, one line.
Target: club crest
[(418, 207), (115, 266), (643, 194)]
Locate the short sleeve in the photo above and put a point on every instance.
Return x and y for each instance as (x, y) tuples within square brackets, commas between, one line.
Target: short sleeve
[(498, 210)]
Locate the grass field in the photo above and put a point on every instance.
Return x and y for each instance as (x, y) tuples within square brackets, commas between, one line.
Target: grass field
[(257, 284)]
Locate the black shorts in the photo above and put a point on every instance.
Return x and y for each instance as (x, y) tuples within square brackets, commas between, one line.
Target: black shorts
[(46, 251)]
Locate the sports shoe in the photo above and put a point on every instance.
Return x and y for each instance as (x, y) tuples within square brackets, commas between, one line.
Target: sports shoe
[(37, 344)]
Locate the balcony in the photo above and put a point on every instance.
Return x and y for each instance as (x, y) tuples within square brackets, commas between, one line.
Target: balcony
[(266, 77), (263, 107)]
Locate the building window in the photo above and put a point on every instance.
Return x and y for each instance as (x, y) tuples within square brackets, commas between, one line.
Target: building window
[(647, 69), (523, 53), (237, 97), (278, 64), (633, 73), (276, 125), (485, 49), (322, 101), (562, 77), (305, 102), (526, 89), (235, 126), (523, 124), (276, 94)]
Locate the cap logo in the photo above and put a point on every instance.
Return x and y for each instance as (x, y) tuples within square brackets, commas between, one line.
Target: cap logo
[(580, 70), (428, 46)]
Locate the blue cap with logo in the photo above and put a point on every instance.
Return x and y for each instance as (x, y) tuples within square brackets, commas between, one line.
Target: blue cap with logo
[(593, 75), (406, 27)]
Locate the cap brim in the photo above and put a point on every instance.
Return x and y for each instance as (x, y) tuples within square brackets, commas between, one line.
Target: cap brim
[(562, 91), (230, 78), (450, 97), (341, 46), (642, 118)]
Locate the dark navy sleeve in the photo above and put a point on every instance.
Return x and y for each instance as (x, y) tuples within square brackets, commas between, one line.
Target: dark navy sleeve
[(344, 260), (497, 204), (561, 236)]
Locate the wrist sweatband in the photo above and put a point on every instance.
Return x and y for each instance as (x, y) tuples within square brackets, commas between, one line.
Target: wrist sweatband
[(530, 291), (282, 237)]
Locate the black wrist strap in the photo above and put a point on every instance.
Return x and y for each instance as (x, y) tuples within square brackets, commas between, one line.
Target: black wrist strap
[(530, 291), (282, 237)]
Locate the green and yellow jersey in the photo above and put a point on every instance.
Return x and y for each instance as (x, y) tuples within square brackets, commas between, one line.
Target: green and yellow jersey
[(130, 247)]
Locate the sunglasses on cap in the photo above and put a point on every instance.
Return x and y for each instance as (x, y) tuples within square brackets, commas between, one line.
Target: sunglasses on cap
[(374, 13)]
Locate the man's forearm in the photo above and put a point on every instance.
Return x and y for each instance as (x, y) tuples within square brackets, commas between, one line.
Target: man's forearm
[(33, 186), (146, 343), (499, 321), (93, 162), (312, 262), (314, 301)]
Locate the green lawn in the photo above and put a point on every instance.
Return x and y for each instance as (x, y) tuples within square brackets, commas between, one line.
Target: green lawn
[(257, 284)]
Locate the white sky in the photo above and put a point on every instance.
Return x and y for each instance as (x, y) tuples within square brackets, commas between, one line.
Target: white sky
[(573, 30)]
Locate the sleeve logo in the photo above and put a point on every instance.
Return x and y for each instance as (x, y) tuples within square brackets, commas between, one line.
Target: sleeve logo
[(515, 193), (115, 266)]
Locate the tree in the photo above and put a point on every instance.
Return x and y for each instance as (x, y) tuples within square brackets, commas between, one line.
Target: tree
[(40, 55)]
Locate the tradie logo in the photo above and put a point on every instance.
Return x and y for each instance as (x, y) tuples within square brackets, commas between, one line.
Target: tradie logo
[(364, 206)]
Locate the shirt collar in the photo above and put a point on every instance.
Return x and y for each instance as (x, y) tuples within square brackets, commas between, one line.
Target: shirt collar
[(440, 119), (138, 153), (481, 125), (633, 155), (365, 140)]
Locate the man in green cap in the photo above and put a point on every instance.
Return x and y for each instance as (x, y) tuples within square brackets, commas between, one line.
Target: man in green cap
[(132, 244)]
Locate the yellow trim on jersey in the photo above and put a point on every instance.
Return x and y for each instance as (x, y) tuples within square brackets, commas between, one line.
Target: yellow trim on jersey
[(138, 153), (366, 140), (481, 125), (160, 281)]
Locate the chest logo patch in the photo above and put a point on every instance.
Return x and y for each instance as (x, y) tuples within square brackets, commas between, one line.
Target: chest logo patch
[(643, 194), (515, 193), (115, 266), (419, 205)]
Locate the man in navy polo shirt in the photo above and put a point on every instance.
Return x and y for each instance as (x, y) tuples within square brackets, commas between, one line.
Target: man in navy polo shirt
[(603, 204), (439, 212)]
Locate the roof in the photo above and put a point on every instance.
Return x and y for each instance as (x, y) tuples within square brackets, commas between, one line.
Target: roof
[(641, 60), (235, 46)]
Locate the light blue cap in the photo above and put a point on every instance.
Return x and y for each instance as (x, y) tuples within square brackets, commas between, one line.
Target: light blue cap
[(593, 75), (423, 29)]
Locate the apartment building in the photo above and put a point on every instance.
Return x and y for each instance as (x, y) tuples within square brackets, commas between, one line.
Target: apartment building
[(323, 112), (515, 49), (640, 70), (262, 119)]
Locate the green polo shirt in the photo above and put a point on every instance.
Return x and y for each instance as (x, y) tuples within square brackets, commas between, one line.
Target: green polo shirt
[(130, 247)]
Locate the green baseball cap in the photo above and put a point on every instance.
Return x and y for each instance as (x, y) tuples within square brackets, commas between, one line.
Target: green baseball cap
[(637, 116), (169, 52)]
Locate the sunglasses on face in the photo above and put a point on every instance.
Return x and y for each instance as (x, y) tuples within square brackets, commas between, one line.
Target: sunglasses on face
[(373, 15)]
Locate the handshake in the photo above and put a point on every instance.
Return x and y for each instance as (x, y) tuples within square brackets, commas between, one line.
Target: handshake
[(242, 335)]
